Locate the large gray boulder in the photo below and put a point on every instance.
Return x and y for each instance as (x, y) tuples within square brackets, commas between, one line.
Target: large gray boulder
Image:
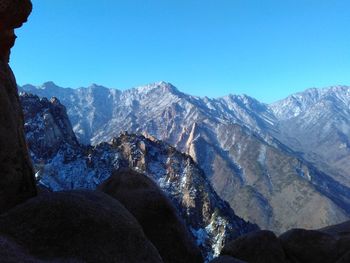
[(310, 246), (256, 247), (78, 226), (155, 213)]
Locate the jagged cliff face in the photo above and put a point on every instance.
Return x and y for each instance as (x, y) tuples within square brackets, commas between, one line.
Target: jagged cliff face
[(16, 174), (55, 132), (72, 166), (236, 140)]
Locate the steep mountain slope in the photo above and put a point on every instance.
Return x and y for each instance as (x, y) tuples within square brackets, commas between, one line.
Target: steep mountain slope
[(73, 166), (267, 184), (233, 139), (317, 123)]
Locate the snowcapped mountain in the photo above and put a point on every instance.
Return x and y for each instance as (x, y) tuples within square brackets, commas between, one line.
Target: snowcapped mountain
[(68, 165), (317, 124), (96, 112), (250, 151)]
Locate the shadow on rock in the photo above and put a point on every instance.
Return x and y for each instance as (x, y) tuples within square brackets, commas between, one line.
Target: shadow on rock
[(155, 213), (78, 226)]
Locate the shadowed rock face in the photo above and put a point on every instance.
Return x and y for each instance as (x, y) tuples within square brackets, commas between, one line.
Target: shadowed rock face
[(326, 245), (16, 174), (13, 13), (79, 226), (155, 213), (261, 246), (310, 246)]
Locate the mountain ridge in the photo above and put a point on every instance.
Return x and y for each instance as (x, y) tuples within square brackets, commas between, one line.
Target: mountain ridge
[(239, 142), (71, 166)]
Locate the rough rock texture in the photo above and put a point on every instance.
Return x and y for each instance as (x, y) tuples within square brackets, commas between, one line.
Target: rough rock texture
[(78, 226), (16, 173), (155, 213), (56, 131), (260, 246)]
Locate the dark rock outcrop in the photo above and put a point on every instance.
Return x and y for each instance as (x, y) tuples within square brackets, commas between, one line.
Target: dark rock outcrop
[(345, 258), (155, 213), (12, 252), (13, 13), (226, 259), (326, 245), (78, 226), (330, 244), (310, 246), (260, 246), (16, 174)]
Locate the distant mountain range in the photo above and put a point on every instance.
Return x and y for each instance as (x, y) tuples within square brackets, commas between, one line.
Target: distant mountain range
[(62, 163), (281, 165)]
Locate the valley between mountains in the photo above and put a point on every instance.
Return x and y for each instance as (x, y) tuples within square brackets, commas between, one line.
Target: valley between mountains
[(279, 166)]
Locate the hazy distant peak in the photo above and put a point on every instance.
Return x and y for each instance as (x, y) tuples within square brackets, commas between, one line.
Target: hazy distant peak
[(27, 86), (318, 92), (97, 87), (300, 102), (48, 85)]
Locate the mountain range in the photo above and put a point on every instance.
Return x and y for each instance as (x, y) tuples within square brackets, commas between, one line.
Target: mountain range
[(279, 165), (63, 164)]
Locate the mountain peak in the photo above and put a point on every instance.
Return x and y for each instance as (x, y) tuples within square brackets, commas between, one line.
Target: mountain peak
[(96, 86), (48, 85), (159, 86)]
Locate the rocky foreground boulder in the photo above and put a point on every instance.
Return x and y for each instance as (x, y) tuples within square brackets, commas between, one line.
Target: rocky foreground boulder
[(16, 174), (77, 226), (326, 245), (257, 245), (155, 213)]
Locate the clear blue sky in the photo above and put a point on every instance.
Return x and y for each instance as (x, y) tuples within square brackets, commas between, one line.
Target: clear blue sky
[(266, 49)]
